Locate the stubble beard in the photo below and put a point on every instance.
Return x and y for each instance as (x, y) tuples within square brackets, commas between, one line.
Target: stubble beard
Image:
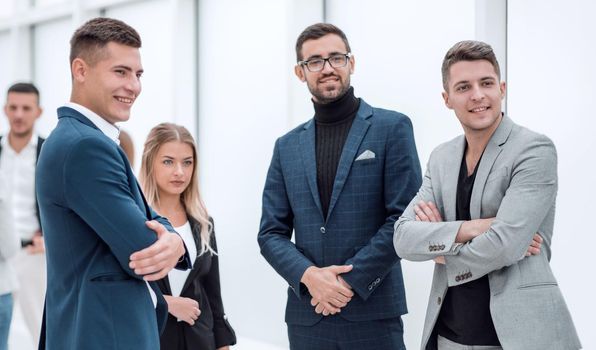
[(323, 96)]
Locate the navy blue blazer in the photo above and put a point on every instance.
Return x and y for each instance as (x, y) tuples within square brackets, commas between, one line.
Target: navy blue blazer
[(93, 214), (368, 197)]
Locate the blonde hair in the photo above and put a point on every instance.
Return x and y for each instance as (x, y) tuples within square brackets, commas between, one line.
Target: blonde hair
[(191, 198)]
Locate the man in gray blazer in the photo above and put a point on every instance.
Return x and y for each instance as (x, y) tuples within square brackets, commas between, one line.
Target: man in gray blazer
[(495, 186)]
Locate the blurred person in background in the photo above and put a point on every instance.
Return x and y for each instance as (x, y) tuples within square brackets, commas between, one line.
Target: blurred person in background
[(19, 150), (169, 179)]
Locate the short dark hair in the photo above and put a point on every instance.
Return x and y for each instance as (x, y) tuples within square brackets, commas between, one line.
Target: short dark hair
[(24, 88), (468, 50), (317, 31), (95, 34)]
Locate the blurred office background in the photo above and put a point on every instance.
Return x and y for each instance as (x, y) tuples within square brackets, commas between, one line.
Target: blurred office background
[(224, 69)]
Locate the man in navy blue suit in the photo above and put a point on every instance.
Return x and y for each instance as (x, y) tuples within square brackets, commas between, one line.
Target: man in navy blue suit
[(105, 246), (339, 181)]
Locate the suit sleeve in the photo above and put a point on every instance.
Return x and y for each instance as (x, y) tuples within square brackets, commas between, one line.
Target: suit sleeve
[(527, 201), (98, 191), (419, 241), (222, 330), (276, 228), (402, 178)]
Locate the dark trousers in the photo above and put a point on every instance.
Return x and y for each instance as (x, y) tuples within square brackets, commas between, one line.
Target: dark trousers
[(335, 333)]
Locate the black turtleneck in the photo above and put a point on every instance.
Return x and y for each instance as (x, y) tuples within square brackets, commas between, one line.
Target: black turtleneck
[(333, 122)]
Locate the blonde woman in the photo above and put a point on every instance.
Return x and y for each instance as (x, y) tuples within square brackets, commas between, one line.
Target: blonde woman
[(168, 176)]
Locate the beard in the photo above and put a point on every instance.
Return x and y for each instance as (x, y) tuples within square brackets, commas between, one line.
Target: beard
[(327, 95)]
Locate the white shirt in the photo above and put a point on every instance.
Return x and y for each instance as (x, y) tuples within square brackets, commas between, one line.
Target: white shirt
[(18, 172), (10, 244), (177, 278), (112, 131)]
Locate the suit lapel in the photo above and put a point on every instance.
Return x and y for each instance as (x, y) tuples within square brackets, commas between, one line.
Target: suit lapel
[(359, 128), (197, 261), (491, 152), (450, 172), (307, 151)]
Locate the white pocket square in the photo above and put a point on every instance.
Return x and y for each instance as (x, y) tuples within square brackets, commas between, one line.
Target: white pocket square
[(368, 154)]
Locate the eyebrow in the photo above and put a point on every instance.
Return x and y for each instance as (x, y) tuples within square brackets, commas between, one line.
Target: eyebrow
[(467, 81), (319, 56), (126, 68), (170, 157)]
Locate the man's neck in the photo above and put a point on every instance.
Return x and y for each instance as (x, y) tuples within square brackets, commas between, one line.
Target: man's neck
[(18, 142)]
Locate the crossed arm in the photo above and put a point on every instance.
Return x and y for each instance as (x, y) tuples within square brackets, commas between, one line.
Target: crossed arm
[(428, 212), (99, 192), (498, 243)]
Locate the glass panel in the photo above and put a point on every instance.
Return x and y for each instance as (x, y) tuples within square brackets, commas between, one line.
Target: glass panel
[(51, 69), (5, 74)]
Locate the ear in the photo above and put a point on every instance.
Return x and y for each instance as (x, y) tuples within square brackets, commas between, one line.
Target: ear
[(5, 109), (352, 64), (445, 95), (79, 69), (503, 88), (39, 112), (299, 71)]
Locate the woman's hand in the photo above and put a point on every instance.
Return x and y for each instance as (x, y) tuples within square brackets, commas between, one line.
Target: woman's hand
[(184, 309)]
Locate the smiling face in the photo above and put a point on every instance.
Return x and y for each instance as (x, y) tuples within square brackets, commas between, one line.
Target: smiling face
[(330, 83), (110, 86), (474, 93), (173, 168)]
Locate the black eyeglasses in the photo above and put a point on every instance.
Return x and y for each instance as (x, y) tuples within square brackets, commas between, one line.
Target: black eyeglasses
[(335, 61)]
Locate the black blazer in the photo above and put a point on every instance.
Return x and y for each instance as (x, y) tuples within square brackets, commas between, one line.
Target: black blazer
[(40, 141), (212, 330)]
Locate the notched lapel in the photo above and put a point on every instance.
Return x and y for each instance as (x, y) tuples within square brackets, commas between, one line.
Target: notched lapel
[(308, 154), (491, 152), (450, 177), (357, 132)]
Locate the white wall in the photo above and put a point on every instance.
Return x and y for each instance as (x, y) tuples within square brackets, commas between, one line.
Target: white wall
[(551, 90), (51, 69), (243, 96)]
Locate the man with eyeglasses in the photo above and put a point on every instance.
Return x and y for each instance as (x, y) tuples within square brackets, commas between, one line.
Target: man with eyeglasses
[(339, 181)]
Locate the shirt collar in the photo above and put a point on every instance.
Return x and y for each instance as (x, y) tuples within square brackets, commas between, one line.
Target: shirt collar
[(110, 130), (32, 142)]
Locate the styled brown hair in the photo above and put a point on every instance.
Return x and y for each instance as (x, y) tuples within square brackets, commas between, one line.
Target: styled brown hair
[(317, 31), (190, 198), (88, 41), (468, 50)]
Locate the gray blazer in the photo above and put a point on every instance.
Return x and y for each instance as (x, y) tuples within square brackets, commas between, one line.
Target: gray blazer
[(516, 182)]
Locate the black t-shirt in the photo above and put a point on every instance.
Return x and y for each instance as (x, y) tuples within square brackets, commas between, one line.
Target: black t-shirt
[(465, 315)]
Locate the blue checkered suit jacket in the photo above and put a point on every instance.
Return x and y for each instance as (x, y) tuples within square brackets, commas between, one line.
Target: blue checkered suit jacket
[(368, 196)]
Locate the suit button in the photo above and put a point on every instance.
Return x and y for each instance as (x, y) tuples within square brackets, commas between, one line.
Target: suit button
[(377, 280), (439, 300), (442, 246), (457, 278), (322, 229)]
